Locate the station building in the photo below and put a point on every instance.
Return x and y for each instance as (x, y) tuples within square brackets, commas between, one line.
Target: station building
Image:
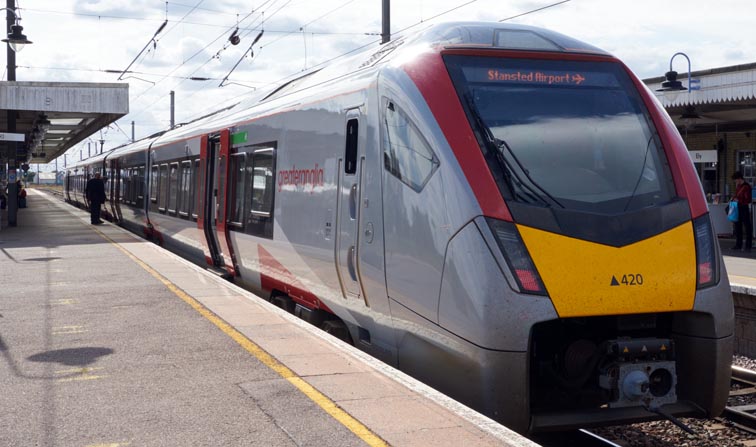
[(717, 121)]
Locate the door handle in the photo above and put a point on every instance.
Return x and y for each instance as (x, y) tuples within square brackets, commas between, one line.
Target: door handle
[(353, 202)]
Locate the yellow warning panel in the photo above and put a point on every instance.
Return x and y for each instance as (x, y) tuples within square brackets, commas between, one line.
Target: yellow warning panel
[(584, 278)]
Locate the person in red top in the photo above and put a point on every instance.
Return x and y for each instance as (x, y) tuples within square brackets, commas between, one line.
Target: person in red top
[(743, 196)]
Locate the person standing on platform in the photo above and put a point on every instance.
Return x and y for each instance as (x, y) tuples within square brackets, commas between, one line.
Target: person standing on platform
[(21, 194), (743, 197), (95, 192)]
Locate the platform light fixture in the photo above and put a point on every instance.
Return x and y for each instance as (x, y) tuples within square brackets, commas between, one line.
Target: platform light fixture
[(16, 38), (671, 87)]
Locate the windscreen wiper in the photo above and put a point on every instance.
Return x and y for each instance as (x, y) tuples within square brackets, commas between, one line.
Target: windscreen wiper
[(528, 189)]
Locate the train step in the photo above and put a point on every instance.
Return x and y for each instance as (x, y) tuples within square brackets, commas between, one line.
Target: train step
[(217, 271)]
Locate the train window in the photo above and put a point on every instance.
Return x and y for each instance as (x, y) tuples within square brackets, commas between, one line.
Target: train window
[(406, 154), (260, 178), (236, 199), (124, 182), (350, 155), (173, 188), (140, 186), (134, 185), (596, 148), (186, 188), (163, 194), (195, 197), (154, 184)]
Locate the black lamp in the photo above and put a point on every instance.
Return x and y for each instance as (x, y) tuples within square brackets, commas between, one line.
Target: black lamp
[(671, 84), (672, 87), (16, 39)]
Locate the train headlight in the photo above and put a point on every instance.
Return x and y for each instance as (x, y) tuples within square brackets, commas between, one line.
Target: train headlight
[(517, 256), (707, 267)]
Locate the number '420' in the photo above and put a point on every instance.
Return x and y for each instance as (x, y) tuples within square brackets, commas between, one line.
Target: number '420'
[(629, 279)]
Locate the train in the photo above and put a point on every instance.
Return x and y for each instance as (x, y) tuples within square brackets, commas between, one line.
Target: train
[(503, 212)]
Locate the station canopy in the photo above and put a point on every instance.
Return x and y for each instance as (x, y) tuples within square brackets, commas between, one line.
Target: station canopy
[(55, 116), (725, 100)]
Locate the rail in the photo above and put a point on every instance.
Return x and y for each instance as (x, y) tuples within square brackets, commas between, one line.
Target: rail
[(742, 415)]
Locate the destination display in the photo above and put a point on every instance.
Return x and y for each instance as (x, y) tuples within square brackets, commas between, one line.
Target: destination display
[(479, 74)]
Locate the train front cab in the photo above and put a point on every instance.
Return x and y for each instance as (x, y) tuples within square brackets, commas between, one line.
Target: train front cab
[(593, 292)]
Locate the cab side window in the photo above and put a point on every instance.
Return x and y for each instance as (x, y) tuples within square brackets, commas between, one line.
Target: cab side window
[(406, 154)]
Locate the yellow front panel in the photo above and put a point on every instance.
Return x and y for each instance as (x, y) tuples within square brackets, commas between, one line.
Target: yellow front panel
[(585, 278)]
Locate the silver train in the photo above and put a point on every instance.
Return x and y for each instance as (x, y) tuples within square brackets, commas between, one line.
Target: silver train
[(501, 211)]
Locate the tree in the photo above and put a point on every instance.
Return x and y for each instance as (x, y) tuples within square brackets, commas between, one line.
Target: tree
[(29, 176)]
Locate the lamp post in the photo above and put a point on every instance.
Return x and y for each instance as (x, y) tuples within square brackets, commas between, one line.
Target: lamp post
[(671, 87), (16, 41)]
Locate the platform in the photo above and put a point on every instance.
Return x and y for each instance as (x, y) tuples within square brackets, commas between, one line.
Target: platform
[(109, 340)]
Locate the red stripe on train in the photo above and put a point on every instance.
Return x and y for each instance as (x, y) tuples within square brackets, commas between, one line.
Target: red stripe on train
[(274, 276)]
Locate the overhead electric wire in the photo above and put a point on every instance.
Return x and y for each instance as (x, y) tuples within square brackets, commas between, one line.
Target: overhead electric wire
[(308, 23), (181, 19), (202, 9), (252, 29), (152, 39), (192, 57), (99, 70), (209, 25), (412, 26)]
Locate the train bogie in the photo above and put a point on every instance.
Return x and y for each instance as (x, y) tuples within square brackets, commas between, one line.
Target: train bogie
[(502, 212)]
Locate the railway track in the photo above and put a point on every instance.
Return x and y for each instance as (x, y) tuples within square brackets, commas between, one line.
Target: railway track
[(743, 384), (573, 438)]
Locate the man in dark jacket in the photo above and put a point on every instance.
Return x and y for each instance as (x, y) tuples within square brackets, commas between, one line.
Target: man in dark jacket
[(95, 192)]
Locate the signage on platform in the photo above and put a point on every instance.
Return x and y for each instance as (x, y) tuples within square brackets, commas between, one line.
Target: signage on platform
[(703, 156), (5, 136)]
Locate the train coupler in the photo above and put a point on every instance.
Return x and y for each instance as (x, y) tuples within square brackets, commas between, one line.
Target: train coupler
[(639, 372)]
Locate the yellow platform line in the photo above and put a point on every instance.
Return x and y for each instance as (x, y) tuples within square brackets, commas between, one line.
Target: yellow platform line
[(328, 405)]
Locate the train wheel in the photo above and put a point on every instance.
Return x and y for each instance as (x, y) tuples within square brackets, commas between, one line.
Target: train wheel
[(284, 302)]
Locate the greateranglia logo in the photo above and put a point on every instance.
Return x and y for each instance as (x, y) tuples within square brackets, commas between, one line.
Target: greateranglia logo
[(305, 180)]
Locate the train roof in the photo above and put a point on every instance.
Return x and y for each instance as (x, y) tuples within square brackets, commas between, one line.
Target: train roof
[(363, 66), (95, 159), (505, 37)]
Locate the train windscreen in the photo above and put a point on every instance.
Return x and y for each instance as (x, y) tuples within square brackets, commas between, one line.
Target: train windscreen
[(564, 134)]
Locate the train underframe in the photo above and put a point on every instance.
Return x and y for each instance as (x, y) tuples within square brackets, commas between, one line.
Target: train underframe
[(622, 369)]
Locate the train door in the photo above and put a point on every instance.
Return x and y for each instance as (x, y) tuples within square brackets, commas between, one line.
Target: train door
[(222, 187), (116, 188), (348, 210), (206, 200), (212, 201)]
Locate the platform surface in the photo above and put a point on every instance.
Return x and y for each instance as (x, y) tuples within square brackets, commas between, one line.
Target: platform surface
[(109, 340)]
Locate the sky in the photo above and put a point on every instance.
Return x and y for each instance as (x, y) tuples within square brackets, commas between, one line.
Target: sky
[(78, 40)]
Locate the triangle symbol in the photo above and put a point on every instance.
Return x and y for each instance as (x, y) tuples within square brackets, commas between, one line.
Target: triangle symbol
[(645, 349), (663, 347), (614, 281), (625, 351)]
